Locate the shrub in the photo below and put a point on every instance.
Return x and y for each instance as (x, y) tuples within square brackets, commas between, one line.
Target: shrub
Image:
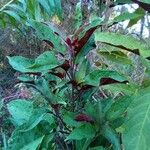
[(70, 107)]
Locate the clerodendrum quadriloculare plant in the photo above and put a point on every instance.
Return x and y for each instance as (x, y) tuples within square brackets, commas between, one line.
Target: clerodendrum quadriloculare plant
[(76, 113), (69, 109)]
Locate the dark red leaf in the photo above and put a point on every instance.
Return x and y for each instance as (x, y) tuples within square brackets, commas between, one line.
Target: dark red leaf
[(65, 65), (105, 81), (135, 51), (60, 75), (74, 83), (68, 41), (86, 87), (56, 107), (84, 118), (75, 43), (84, 39)]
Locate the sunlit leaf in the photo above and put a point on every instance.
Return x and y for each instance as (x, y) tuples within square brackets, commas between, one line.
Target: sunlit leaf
[(137, 127), (44, 62), (20, 110), (84, 131), (94, 77), (123, 41)]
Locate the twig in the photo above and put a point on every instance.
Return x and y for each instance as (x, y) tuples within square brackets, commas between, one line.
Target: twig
[(58, 140), (6, 5), (105, 96)]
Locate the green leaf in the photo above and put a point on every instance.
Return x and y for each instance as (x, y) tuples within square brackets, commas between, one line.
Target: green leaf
[(12, 14), (117, 124), (25, 78), (36, 118), (128, 89), (24, 10), (84, 131), (45, 5), (78, 16), (118, 108), (46, 33), (3, 135), (20, 63), (2, 23), (145, 1), (79, 144), (136, 135), (92, 24), (94, 77), (47, 142), (20, 110), (44, 62), (90, 45), (133, 17), (123, 41), (30, 140), (15, 7), (69, 119), (80, 74), (37, 12), (141, 14), (122, 2), (116, 57), (97, 148), (111, 136), (146, 64), (58, 8), (43, 86), (94, 111), (30, 9), (52, 7), (33, 145)]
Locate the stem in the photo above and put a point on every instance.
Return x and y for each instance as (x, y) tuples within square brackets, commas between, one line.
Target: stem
[(6, 5), (86, 144), (68, 75), (72, 100), (142, 26), (12, 97), (61, 125), (59, 142), (72, 74), (103, 93)]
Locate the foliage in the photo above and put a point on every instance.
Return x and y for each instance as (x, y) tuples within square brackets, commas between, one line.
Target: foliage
[(23, 10), (75, 111), (138, 127)]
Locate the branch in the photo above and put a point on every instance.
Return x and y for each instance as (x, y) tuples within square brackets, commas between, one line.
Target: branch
[(6, 5), (145, 6)]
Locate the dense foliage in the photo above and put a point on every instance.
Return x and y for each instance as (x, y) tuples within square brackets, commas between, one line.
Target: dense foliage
[(76, 103)]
